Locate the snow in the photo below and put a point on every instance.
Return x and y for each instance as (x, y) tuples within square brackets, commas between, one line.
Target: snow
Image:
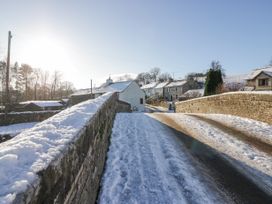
[(254, 163), (161, 85), (114, 87), (31, 112), (149, 86), (177, 83), (257, 71), (146, 164), (43, 103), (151, 108), (194, 93), (15, 129), (22, 157), (256, 129), (118, 86)]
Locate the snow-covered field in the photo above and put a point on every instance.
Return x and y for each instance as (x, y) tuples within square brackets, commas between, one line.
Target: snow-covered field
[(31, 151), (146, 164), (255, 163), (15, 129)]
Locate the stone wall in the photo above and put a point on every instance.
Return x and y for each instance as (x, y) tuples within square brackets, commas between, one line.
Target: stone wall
[(25, 117), (75, 99), (75, 177), (257, 106), (123, 107)]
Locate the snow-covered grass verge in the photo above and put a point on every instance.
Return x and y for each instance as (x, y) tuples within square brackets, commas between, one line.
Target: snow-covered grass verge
[(150, 108), (15, 129), (22, 157), (252, 162), (252, 128)]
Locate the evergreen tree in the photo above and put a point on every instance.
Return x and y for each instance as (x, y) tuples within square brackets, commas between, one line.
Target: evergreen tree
[(214, 80)]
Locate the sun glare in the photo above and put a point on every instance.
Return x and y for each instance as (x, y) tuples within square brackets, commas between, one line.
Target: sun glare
[(46, 52)]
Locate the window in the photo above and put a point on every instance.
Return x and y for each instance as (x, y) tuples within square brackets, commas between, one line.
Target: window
[(263, 82), (141, 101)]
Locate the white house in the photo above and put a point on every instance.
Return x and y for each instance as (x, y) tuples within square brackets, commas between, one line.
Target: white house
[(128, 91), (260, 79), (149, 89), (159, 89)]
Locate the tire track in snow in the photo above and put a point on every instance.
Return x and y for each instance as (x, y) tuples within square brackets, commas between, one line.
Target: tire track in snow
[(146, 165)]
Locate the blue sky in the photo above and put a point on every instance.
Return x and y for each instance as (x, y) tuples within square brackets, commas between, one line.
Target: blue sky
[(92, 39)]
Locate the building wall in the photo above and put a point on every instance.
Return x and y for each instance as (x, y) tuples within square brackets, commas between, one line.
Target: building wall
[(132, 95), (175, 92), (149, 92), (159, 92), (263, 76), (255, 82), (75, 99), (256, 106)]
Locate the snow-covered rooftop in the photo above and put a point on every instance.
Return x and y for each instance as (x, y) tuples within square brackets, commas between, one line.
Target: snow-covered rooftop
[(23, 156), (118, 86), (176, 83), (43, 103), (113, 87), (15, 129), (256, 72), (149, 86), (161, 85)]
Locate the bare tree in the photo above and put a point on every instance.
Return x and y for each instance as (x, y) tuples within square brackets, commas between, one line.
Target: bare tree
[(165, 77), (154, 72), (44, 84), (55, 83), (25, 72), (36, 78)]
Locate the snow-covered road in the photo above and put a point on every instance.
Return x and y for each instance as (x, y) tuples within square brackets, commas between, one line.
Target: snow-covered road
[(147, 164), (151, 161)]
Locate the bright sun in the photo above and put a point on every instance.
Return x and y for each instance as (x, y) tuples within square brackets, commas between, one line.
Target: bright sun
[(46, 52)]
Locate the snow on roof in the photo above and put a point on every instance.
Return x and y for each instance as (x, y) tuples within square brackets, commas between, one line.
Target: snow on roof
[(161, 85), (15, 129), (177, 83), (113, 87), (118, 86), (194, 93), (22, 157), (149, 86), (256, 72), (43, 103)]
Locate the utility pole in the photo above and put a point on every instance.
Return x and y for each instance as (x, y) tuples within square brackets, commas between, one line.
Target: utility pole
[(7, 74)]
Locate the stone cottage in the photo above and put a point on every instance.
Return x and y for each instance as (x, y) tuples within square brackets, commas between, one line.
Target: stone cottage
[(260, 79), (175, 89)]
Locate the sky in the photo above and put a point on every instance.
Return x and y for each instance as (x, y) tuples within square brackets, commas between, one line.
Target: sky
[(95, 39)]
